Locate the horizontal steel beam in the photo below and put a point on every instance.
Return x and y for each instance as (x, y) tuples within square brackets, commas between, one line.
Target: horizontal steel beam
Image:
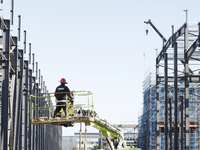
[(190, 78)]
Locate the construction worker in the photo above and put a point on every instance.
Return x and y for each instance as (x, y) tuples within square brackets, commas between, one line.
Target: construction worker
[(61, 93)]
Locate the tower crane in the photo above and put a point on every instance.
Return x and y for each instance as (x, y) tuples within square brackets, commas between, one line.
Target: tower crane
[(152, 25)]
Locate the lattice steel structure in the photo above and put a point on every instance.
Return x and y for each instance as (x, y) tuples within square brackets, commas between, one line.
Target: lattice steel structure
[(17, 82)]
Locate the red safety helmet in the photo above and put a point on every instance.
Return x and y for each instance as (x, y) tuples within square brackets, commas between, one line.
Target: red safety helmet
[(63, 81)]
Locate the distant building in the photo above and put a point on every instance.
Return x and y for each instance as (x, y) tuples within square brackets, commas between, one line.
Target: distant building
[(68, 142), (130, 135)]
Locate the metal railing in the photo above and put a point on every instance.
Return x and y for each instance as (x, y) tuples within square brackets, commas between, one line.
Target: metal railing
[(41, 105)]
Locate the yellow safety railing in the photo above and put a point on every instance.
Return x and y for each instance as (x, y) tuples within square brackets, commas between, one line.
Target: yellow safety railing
[(41, 104)]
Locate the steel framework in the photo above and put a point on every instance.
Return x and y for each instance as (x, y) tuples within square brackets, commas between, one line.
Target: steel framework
[(177, 55), (17, 82)]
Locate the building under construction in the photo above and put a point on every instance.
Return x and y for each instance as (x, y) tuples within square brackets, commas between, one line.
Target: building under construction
[(170, 117), (20, 77), (147, 122)]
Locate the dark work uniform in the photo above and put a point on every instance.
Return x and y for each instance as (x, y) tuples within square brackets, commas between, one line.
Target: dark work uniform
[(60, 94)]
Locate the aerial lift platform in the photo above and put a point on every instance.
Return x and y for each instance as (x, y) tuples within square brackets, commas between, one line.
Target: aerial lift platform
[(42, 110)]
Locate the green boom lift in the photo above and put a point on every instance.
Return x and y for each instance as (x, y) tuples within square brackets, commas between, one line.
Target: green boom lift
[(42, 109)]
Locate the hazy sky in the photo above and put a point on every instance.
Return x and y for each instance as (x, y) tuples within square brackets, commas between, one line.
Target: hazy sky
[(100, 46)]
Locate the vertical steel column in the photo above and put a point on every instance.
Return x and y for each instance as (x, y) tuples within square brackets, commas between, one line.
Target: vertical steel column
[(187, 134), (181, 123), (36, 72), (34, 146), (26, 104), (11, 12), (85, 138), (43, 128), (17, 107), (170, 123), (5, 86), (158, 141), (31, 135), (45, 137), (166, 99), (19, 26), (20, 97), (24, 41), (40, 126), (43, 89), (41, 81), (172, 36), (199, 33), (39, 115), (175, 98), (33, 63), (80, 136), (30, 54), (15, 99), (39, 76), (36, 129)]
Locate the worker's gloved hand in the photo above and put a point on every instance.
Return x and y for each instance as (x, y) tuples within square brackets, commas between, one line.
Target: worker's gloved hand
[(71, 98)]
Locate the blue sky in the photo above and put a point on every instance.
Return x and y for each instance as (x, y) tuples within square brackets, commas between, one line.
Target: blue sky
[(99, 46)]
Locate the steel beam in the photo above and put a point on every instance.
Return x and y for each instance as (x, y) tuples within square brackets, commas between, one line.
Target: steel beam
[(37, 133), (166, 100), (170, 123), (34, 126), (5, 86), (31, 128), (24, 102), (19, 26), (11, 12), (33, 63), (178, 33), (25, 106), (181, 123), (190, 78), (187, 135), (191, 49), (199, 33), (15, 100), (11, 100), (39, 115), (30, 54), (20, 97), (24, 41), (158, 141), (175, 98)]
